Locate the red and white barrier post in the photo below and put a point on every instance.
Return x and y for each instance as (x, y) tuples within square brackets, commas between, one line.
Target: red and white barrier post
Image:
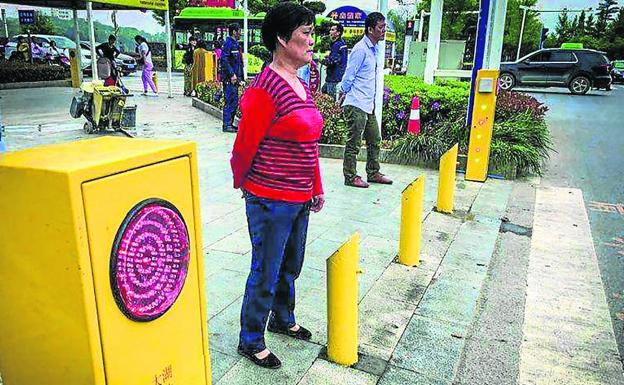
[(413, 126)]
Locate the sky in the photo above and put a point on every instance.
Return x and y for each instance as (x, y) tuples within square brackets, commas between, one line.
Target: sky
[(145, 21)]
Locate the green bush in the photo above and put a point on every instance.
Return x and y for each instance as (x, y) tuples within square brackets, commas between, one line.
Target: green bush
[(521, 143), (17, 72), (261, 52)]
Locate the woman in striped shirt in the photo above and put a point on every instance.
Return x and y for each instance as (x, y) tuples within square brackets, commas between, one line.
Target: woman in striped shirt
[(275, 162)]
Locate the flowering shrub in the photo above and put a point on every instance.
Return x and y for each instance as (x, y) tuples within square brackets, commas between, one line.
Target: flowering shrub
[(437, 101), (211, 93), (510, 104), (335, 129)]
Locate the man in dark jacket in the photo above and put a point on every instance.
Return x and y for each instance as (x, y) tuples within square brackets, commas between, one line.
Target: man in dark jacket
[(231, 75), (336, 62)]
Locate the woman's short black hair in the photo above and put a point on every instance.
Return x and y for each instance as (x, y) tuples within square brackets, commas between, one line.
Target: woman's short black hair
[(372, 19), (282, 20)]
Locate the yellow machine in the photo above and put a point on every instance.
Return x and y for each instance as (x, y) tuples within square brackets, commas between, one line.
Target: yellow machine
[(101, 105), (482, 125), (101, 265)]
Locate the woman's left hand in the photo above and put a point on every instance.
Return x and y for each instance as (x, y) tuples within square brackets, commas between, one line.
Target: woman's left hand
[(317, 203)]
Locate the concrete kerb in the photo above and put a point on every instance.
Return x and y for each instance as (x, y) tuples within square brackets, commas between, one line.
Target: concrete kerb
[(41, 84)]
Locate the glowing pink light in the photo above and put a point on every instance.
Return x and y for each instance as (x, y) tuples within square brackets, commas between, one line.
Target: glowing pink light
[(149, 261)]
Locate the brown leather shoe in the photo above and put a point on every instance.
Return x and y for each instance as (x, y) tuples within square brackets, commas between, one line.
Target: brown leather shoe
[(379, 178), (356, 182)]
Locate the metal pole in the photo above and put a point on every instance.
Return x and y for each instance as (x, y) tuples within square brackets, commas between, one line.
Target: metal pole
[(479, 53), (168, 32), (521, 32), (381, 56), (78, 49), (421, 25), (92, 40), (4, 21), (245, 38), (433, 41), (496, 33)]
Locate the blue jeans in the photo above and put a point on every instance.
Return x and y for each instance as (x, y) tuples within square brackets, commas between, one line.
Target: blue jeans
[(278, 236), (230, 94)]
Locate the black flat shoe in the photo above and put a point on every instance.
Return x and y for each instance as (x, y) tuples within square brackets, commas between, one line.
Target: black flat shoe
[(301, 334), (269, 362)]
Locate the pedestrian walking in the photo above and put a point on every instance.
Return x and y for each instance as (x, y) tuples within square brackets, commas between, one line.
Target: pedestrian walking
[(275, 161), (231, 75), (357, 95), (218, 49), (146, 60), (336, 62), (188, 66)]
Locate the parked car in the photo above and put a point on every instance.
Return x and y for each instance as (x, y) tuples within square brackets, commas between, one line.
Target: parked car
[(618, 71), (126, 63), (62, 42), (579, 70)]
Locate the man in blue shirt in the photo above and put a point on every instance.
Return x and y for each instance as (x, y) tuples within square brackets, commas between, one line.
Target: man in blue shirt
[(336, 62), (357, 93), (231, 75)]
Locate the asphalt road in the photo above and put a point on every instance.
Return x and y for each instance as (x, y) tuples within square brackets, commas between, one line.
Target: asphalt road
[(588, 134)]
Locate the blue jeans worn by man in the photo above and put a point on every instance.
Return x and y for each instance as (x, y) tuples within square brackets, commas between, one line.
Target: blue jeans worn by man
[(230, 95)]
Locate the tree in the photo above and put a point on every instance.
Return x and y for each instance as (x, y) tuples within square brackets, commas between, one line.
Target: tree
[(617, 26), (606, 10), (513, 24), (114, 21), (256, 6), (563, 28), (175, 6), (43, 25), (318, 7), (399, 20), (581, 27)]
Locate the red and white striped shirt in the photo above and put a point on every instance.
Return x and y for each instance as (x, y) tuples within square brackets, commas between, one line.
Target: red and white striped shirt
[(275, 154)]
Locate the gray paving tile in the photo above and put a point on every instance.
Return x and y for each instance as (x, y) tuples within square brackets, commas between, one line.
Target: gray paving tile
[(399, 376), (381, 324), (220, 363), (297, 356), (430, 347), (327, 373)]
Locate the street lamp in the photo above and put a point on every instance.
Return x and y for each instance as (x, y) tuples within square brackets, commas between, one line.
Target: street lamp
[(524, 13)]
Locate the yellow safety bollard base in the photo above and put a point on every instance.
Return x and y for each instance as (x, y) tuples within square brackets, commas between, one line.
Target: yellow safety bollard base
[(342, 305), (412, 201)]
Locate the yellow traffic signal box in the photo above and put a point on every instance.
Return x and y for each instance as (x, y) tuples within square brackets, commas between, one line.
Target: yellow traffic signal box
[(101, 274)]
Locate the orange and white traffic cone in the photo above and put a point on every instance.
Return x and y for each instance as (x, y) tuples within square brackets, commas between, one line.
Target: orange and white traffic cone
[(413, 126)]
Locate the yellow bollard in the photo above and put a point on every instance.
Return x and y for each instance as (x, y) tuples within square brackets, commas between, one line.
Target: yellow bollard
[(446, 184), (411, 222), (342, 299)]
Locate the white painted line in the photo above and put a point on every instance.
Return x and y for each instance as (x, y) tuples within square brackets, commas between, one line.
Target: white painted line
[(568, 336)]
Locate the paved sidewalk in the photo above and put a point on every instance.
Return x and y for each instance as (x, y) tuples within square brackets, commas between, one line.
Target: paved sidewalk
[(422, 325)]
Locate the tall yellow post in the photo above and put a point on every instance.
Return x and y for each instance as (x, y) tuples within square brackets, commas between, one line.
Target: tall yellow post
[(74, 68), (482, 125), (446, 184), (412, 202), (342, 310)]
